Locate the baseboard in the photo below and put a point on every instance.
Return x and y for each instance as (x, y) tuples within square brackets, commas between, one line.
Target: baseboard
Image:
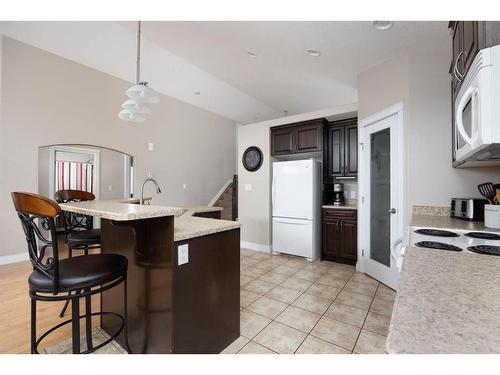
[(14, 258), (256, 246), (220, 192)]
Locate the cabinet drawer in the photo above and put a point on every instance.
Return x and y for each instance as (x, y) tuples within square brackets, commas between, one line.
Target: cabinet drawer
[(339, 213)]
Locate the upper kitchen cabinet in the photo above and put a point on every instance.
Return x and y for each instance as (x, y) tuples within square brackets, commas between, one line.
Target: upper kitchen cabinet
[(341, 144), (468, 38), (297, 138)]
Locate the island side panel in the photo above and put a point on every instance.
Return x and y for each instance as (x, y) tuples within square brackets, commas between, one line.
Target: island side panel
[(206, 294), (147, 244)]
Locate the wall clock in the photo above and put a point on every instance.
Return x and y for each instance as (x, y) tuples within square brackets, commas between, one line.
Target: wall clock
[(252, 158)]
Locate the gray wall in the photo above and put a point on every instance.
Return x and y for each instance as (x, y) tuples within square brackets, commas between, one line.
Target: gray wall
[(46, 99)]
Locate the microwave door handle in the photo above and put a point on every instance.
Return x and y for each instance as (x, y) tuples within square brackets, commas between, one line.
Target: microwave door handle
[(475, 116), (458, 115)]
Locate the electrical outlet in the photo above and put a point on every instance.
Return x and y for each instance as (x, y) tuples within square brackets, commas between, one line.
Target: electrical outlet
[(151, 146), (183, 254), (248, 187), (184, 186)]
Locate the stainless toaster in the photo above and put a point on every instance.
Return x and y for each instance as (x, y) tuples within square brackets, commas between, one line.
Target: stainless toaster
[(468, 208)]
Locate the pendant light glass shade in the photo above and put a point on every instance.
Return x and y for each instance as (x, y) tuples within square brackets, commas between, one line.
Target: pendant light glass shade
[(130, 115), (136, 106), (135, 109), (143, 93)]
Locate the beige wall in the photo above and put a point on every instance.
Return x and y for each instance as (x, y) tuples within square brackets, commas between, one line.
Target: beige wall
[(46, 99), (254, 207), (112, 174), (382, 86), (422, 82)]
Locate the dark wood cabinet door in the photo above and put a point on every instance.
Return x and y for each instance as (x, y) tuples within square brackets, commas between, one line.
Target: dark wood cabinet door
[(282, 141), (351, 150), (335, 162), (330, 246), (457, 48), (470, 44), (349, 239), (309, 137)]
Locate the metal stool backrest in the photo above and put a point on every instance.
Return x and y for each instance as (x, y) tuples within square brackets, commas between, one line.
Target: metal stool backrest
[(73, 221), (37, 213)]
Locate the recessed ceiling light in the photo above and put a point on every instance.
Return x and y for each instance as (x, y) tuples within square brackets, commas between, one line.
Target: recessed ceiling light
[(313, 52), (251, 54), (382, 25)]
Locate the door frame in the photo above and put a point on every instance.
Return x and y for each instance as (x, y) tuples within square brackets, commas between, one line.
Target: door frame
[(96, 170), (75, 149), (398, 174)]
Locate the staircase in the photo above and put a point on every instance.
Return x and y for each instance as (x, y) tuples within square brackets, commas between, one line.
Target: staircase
[(229, 201)]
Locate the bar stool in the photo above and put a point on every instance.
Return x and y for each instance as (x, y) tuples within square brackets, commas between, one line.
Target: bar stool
[(78, 231), (54, 280)]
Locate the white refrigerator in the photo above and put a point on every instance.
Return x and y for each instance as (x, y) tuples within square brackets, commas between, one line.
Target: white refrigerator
[(296, 206)]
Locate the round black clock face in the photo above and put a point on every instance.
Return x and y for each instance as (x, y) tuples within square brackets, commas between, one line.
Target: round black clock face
[(252, 158)]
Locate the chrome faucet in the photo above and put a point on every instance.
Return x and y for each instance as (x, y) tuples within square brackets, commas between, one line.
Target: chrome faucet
[(158, 190)]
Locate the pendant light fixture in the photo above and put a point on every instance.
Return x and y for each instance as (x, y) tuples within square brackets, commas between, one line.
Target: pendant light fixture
[(135, 109)]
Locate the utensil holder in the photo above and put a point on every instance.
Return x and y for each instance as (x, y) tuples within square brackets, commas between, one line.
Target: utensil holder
[(492, 216)]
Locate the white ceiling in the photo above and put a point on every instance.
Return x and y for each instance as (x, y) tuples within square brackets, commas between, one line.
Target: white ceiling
[(181, 58), (283, 76)]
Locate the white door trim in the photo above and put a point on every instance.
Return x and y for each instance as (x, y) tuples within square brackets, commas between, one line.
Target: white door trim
[(398, 174), (97, 170), (77, 149)]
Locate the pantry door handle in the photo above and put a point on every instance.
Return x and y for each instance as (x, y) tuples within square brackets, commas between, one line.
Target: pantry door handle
[(393, 211)]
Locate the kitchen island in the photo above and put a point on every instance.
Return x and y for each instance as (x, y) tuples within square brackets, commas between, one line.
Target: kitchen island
[(183, 275), (447, 302)]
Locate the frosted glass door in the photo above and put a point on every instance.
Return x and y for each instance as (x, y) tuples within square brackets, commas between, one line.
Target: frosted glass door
[(380, 196), (381, 210)]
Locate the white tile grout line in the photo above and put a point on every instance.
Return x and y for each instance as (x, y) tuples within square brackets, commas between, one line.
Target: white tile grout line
[(304, 292)]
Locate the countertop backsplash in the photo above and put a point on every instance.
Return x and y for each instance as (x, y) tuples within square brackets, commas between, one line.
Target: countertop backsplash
[(431, 211)]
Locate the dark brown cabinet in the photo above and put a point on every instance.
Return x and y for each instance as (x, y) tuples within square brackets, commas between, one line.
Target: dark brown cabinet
[(339, 235), (335, 151), (341, 156), (297, 138), (282, 141)]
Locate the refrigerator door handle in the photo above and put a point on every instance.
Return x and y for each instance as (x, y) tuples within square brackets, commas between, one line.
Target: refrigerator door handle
[(273, 194), (292, 222)]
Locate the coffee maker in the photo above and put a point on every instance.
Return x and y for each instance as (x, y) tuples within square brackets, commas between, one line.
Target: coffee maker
[(338, 194)]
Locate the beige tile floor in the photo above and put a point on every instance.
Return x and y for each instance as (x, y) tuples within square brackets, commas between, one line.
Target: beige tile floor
[(289, 305), (98, 337)]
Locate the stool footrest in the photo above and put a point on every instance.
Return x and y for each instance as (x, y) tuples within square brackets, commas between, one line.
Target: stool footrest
[(102, 313)]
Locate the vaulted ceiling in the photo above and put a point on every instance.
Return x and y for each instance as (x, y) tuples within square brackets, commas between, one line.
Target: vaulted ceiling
[(207, 63)]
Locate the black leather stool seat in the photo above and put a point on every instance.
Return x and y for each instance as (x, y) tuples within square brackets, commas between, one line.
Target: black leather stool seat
[(84, 237), (81, 272)]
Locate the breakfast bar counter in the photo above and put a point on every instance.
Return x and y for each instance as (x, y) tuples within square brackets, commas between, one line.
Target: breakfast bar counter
[(183, 275), (447, 302)]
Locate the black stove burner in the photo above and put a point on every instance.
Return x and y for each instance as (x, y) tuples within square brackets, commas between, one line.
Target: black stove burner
[(485, 249), (436, 232), (437, 246), (483, 235)]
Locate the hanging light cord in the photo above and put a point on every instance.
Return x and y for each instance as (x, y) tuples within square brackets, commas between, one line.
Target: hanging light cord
[(138, 68)]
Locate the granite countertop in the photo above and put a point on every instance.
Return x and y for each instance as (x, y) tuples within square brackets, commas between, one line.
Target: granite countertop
[(120, 210), (200, 209), (447, 302), (187, 226), (446, 222)]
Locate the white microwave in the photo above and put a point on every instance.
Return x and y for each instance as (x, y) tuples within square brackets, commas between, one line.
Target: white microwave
[(477, 113)]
